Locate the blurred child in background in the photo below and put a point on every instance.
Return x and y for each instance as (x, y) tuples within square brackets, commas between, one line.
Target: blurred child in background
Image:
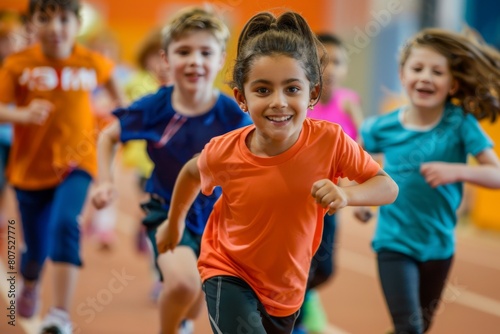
[(10, 27), (13, 35), (53, 158), (13, 38), (450, 80), (337, 104), (151, 75), (101, 224)]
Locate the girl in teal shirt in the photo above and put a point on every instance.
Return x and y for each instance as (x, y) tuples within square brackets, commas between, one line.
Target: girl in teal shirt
[(448, 80)]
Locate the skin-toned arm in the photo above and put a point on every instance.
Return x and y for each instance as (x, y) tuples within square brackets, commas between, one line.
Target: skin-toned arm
[(487, 174), (355, 111), (187, 187), (105, 192), (35, 113), (109, 138), (378, 190), (115, 92)]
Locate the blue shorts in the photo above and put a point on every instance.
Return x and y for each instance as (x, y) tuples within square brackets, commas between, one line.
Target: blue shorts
[(4, 156), (50, 223)]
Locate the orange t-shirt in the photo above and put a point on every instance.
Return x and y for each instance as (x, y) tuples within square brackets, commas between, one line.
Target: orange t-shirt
[(42, 155), (266, 226)]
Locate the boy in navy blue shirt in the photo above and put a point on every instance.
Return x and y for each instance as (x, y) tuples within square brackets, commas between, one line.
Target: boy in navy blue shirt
[(177, 121)]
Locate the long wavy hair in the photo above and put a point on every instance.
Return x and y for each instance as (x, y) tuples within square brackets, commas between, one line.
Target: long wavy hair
[(474, 64)]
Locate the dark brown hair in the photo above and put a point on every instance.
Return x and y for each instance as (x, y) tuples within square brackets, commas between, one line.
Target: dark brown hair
[(54, 5), (330, 39), (289, 35)]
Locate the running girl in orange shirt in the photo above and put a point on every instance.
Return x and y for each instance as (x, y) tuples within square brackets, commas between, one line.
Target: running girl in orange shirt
[(278, 180), (53, 158)]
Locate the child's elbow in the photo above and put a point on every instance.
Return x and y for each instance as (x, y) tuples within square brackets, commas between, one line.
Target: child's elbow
[(393, 191), (390, 188)]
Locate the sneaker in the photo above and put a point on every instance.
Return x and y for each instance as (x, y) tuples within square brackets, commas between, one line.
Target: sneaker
[(314, 320), (187, 327), (28, 301), (56, 322)]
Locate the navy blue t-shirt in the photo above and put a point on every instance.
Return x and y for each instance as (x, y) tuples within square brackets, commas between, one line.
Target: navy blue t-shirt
[(173, 139)]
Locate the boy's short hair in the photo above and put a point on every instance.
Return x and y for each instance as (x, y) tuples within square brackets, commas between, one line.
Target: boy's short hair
[(194, 19), (53, 5), (327, 38)]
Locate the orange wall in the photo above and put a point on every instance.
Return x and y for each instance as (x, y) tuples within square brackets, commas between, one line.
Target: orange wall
[(132, 20), (14, 4), (485, 201), (131, 28)]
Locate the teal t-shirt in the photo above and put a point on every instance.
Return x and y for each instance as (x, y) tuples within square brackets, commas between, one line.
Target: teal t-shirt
[(421, 222)]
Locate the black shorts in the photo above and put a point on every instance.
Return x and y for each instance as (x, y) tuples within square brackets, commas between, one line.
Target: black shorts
[(155, 215), (233, 307)]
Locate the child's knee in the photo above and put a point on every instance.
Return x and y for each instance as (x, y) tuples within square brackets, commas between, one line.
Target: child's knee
[(61, 255), (181, 292)]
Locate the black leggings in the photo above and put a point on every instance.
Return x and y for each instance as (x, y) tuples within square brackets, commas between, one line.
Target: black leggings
[(323, 262), (233, 308), (412, 289)]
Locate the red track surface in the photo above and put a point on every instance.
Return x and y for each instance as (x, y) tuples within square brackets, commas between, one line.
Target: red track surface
[(114, 286)]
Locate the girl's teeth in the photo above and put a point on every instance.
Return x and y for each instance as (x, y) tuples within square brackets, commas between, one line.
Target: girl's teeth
[(279, 119)]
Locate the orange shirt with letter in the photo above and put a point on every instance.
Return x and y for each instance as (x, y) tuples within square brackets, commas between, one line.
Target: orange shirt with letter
[(42, 155), (266, 226)]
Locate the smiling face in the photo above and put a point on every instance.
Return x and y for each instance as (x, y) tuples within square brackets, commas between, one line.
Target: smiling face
[(56, 31), (194, 60), (427, 79), (276, 93)]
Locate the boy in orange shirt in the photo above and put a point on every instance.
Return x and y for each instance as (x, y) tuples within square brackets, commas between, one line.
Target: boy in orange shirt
[(265, 228), (53, 158)]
